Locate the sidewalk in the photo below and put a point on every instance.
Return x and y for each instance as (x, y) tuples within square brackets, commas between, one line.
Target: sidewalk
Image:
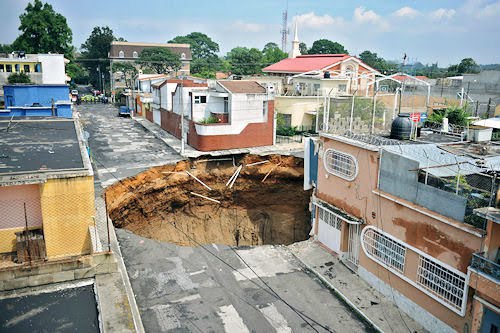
[(295, 149), (375, 308)]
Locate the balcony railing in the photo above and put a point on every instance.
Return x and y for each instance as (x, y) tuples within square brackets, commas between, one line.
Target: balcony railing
[(485, 266)]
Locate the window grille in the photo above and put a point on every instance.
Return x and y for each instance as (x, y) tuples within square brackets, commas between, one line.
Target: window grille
[(340, 164), (200, 99), (135, 54), (442, 282), (121, 54), (330, 218), (384, 249)]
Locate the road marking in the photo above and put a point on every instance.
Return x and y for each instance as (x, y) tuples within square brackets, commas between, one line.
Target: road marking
[(197, 272), (215, 246), (276, 319), (187, 298), (232, 320)]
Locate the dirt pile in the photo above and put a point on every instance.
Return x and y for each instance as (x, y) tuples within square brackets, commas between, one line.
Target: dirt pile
[(160, 204)]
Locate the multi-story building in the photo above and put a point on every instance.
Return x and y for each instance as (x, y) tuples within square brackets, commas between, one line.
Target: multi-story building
[(406, 217)]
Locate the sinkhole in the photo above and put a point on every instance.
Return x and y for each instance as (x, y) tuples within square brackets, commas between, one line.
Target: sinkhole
[(236, 201)]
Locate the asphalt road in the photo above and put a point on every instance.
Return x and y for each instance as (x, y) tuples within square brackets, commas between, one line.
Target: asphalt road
[(120, 147), (211, 289)]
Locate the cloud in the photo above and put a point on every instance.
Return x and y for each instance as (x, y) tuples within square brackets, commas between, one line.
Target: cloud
[(490, 10), (311, 20), (248, 27), (442, 14), (363, 16), (406, 12)]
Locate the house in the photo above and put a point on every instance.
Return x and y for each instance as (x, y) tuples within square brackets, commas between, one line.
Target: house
[(413, 219), (46, 189), (37, 100), (41, 68), (221, 115), (130, 52)]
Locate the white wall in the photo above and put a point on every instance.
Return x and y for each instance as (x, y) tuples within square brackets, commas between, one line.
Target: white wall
[(53, 68)]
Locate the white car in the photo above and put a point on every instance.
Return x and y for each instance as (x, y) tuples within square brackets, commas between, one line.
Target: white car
[(74, 92)]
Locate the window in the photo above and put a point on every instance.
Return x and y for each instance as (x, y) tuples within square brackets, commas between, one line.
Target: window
[(330, 218), (26, 68), (264, 109), (349, 70), (226, 105), (442, 282), (8, 68), (384, 249), (340, 164), (135, 54), (121, 54), (287, 119), (17, 67), (183, 56), (200, 99), (2, 68), (342, 87)]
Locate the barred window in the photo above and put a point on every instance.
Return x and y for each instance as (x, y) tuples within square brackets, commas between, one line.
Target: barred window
[(442, 282), (330, 218), (340, 164), (382, 248)]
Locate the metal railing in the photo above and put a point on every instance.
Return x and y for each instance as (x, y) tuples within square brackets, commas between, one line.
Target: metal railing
[(485, 266)]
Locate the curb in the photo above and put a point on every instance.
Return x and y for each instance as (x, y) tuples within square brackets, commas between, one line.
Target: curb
[(340, 295)]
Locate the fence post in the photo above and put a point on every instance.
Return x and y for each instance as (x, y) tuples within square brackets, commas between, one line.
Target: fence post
[(492, 191), (27, 233), (107, 220), (458, 176)]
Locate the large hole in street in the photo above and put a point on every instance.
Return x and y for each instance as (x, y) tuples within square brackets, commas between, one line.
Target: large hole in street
[(159, 203)]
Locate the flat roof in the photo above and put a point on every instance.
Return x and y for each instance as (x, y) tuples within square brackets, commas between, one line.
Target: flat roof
[(30, 146)]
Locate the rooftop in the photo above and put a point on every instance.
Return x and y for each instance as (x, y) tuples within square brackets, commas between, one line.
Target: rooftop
[(31, 146), (306, 63), (129, 48), (242, 87)]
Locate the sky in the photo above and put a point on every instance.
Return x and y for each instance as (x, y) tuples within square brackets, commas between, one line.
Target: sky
[(428, 31)]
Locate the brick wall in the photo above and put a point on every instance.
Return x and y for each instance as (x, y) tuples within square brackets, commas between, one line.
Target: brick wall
[(170, 122)]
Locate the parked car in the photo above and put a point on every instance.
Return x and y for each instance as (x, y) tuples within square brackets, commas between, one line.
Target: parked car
[(74, 92), (123, 111)]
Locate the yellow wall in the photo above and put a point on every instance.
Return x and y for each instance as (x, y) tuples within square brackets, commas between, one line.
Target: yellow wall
[(21, 65), (297, 106), (67, 210), (8, 239)]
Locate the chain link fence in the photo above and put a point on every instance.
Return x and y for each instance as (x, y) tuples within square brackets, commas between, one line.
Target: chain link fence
[(35, 229)]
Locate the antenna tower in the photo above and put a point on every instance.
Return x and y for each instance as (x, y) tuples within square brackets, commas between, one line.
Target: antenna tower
[(284, 29)]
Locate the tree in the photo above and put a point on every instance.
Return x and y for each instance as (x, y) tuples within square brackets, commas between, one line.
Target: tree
[(43, 31), (303, 48), (159, 60), (467, 65), (77, 72), (272, 54), (245, 61), (127, 70), (325, 46), (95, 51), (204, 51), (6, 48), (19, 78)]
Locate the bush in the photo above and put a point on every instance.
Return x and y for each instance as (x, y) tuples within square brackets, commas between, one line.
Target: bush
[(209, 120), (19, 78)]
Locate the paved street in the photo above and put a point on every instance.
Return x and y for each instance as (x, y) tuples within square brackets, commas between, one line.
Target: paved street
[(191, 289), (120, 147)]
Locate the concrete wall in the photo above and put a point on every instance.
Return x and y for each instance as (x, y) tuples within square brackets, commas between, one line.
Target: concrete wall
[(449, 241), (53, 68), (297, 106), (67, 211), (26, 95), (394, 166), (12, 218)]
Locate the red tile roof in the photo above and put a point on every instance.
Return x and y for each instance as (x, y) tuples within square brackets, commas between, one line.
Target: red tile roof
[(401, 78), (305, 63), (243, 87)]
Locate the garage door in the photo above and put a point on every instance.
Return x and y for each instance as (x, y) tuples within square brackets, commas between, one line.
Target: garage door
[(157, 116), (329, 229)]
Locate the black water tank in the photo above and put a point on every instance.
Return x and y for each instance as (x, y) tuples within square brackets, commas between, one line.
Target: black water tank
[(401, 127), (326, 75)]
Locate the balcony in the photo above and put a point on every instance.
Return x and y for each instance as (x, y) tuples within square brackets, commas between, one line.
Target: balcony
[(485, 266)]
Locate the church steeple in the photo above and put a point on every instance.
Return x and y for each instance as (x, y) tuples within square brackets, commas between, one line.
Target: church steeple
[(295, 44)]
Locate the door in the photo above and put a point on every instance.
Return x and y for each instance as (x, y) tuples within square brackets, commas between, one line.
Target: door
[(354, 244), (329, 229)]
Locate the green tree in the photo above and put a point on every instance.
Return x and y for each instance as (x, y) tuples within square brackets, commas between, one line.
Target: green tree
[(303, 48), (95, 51), (160, 60), (19, 78), (77, 72), (325, 46), (6, 48), (126, 69), (204, 51), (245, 61), (272, 54), (43, 30), (467, 65)]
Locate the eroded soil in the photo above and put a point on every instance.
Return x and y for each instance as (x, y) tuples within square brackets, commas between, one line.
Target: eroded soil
[(159, 203)]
